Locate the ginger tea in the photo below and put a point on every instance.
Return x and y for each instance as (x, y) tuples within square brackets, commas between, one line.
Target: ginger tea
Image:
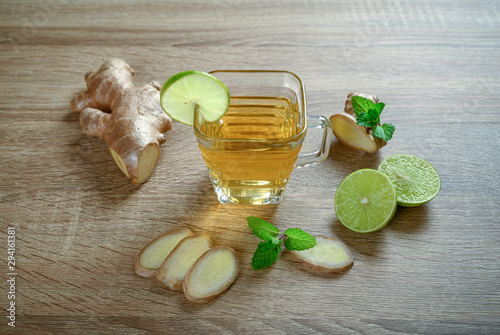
[(250, 152)]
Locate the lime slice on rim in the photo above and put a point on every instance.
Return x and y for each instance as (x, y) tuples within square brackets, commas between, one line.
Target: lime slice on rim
[(365, 201), (182, 92), (416, 181)]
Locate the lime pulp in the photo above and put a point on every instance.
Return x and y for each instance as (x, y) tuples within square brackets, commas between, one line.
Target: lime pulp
[(185, 91), (416, 181), (365, 201)]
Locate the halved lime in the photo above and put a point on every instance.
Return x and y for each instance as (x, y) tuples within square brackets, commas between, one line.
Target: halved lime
[(182, 92), (365, 201), (416, 181)]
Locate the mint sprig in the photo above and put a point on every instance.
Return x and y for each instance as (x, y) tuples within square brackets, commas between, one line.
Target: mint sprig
[(361, 105), (267, 251), (368, 115), (384, 131), (298, 239), (265, 254), (262, 229)]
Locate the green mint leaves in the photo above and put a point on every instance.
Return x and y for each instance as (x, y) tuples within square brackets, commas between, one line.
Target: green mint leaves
[(262, 229), (370, 118), (368, 115), (267, 252), (265, 255), (298, 239), (361, 105), (384, 131)]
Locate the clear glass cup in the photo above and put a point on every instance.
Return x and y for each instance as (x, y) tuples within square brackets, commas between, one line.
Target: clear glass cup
[(252, 150)]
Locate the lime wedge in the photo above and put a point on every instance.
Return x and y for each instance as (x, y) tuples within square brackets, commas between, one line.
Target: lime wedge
[(415, 180), (184, 91), (365, 201)]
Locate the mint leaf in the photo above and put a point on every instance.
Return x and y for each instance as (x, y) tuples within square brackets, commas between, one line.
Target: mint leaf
[(263, 229), (372, 117), (379, 107), (378, 131), (360, 104), (267, 251), (384, 131), (265, 255), (369, 119), (388, 130), (299, 239)]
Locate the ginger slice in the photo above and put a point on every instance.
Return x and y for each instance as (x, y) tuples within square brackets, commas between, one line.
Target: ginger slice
[(211, 275), (349, 133), (181, 259), (148, 261), (128, 118), (352, 135), (328, 256)]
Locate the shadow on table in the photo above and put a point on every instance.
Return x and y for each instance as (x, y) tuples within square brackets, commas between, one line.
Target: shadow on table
[(201, 211), (406, 221), (410, 220), (91, 160), (371, 244), (341, 158)]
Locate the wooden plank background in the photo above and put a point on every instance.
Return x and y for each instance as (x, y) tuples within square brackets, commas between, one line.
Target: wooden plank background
[(79, 222)]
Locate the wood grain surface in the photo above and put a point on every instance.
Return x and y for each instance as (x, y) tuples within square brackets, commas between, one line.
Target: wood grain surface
[(79, 222)]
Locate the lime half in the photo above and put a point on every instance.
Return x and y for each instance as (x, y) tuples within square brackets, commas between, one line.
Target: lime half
[(365, 201), (415, 180), (185, 91)]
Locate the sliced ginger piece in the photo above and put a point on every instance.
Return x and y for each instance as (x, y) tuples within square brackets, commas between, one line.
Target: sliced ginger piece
[(211, 275), (352, 135), (181, 259), (328, 256), (149, 260)]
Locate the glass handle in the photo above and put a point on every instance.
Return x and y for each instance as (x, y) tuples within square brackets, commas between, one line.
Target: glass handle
[(317, 122)]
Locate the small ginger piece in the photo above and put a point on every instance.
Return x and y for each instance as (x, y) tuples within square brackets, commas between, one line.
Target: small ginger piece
[(148, 261), (211, 275), (348, 109), (352, 135), (173, 270), (128, 118), (328, 256)]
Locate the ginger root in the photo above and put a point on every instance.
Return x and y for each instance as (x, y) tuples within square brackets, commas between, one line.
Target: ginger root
[(128, 118), (149, 260), (175, 267), (329, 255), (211, 275), (352, 135)]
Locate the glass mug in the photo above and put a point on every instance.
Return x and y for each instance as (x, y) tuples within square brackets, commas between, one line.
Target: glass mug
[(251, 151)]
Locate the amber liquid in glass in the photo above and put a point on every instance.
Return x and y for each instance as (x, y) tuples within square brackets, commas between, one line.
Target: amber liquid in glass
[(251, 151)]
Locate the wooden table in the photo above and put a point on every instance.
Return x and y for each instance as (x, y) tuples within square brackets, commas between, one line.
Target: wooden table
[(79, 222)]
